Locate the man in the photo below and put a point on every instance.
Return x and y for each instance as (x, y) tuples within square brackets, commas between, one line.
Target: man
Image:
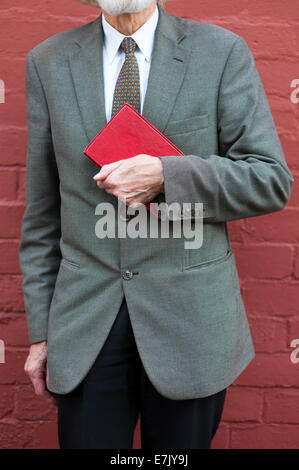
[(127, 325)]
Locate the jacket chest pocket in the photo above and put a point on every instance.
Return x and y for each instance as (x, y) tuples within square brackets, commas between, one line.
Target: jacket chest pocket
[(185, 126)]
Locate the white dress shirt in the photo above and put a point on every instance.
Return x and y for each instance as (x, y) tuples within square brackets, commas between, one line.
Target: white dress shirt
[(113, 57)]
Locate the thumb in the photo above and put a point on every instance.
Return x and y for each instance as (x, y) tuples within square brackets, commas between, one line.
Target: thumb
[(106, 170), (47, 376)]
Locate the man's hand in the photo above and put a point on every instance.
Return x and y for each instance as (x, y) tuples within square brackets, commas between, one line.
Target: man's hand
[(37, 370), (137, 180)]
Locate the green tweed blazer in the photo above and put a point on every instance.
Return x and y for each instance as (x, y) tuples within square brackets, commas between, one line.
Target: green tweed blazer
[(186, 309)]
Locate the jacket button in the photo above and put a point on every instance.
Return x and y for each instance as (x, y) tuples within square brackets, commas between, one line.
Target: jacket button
[(127, 275)]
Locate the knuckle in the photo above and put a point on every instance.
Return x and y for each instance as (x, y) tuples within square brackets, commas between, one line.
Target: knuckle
[(112, 183)]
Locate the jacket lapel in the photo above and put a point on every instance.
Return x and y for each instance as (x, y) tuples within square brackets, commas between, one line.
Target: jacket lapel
[(169, 62), (86, 65), (168, 67)]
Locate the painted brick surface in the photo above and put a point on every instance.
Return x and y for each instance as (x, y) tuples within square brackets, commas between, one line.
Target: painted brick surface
[(261, 410)]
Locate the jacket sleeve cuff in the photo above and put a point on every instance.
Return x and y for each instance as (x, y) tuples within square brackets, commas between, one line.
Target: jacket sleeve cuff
[(176, 188), (36, 335)]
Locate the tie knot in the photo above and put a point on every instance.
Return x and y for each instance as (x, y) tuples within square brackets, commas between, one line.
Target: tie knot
[(128, 45)]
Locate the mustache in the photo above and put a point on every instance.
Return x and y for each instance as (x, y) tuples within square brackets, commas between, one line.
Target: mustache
[(118, 7)]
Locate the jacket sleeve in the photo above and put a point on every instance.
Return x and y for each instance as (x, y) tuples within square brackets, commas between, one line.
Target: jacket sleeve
[(250, 176), (40, 240)]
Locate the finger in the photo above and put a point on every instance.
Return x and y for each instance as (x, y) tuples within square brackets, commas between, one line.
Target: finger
[(52, 400), (106, 170), (107, 183), (138, 198), (48, 396), (135, 202), (137, 194), (103, 184), (39, 385), (47, 376)]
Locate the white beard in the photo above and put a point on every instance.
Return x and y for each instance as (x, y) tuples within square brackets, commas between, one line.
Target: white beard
[(118, 7)]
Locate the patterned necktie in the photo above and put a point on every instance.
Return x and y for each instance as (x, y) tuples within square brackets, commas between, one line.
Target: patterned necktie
[(127, 88)]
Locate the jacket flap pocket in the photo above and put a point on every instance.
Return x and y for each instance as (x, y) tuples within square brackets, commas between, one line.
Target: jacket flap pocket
[(187, 125)]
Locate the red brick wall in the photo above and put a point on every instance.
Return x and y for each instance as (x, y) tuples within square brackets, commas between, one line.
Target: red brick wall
[(262, 407)]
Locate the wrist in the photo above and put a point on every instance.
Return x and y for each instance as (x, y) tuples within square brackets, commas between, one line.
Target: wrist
[(160, 174)]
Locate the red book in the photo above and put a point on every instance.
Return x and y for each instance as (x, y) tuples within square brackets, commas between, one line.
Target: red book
[(128, 134)]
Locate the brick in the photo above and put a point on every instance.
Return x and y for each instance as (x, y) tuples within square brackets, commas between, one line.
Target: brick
[(13, 329), (75, 9), (31, 407), (290, 145), (296, 268), (248, 11), (266, 40), (277, 76), (285, 113), (13, 111), (243, 405), (281, 406), (294, 199), (11, 220), (264, 261), (34, 4), (21, 186), (28, 435), (280, 226), (38, 28), (15, 435), (9, 257), (13, 145), (6, 400), (270, 370), (13, 74), (221, 439), (293, 330), (276, 9), (269, 334), (46, 436), (12, 372), (11, 295), (235, 230), (265, 436), (271, 297), (8, 185)]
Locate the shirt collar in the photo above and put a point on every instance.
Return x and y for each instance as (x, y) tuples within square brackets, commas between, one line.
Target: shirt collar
[(144, 37)]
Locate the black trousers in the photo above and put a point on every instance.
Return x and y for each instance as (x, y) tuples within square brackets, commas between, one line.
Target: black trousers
[(102, 412)]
